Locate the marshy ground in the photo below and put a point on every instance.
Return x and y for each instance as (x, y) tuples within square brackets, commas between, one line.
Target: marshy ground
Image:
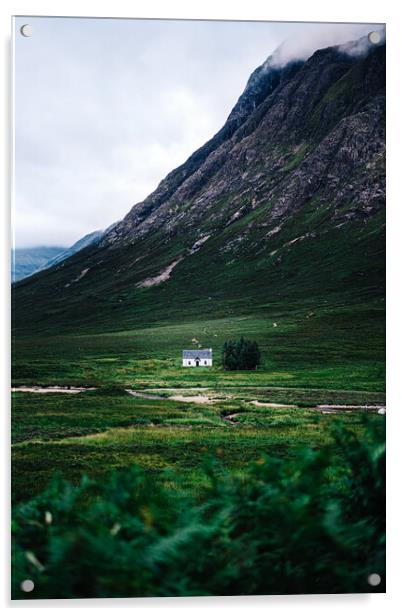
[(97, 431)]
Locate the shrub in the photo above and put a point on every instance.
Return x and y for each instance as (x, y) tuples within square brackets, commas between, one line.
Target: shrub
[(240, 355)]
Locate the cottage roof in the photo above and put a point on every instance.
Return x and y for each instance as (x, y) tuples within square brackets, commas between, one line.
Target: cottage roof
[(200, 353)]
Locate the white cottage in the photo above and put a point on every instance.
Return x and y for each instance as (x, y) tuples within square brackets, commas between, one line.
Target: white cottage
[(200, 357)]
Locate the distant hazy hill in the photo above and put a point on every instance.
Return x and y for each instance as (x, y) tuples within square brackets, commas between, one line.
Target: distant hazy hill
[(26, 261), (85, 241)]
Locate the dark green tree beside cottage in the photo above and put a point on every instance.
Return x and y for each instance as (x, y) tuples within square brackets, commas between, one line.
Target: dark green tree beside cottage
[(240, 355)]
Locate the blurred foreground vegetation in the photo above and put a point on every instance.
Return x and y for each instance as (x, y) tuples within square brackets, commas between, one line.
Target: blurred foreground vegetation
[(313, 522)]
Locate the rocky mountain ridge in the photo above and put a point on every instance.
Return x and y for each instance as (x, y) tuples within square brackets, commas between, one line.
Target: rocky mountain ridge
[(272, 110)]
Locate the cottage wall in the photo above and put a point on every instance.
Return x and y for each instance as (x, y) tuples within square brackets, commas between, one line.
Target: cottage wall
[(188, 363)]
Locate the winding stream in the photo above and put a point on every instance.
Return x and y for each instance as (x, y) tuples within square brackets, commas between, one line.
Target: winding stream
[(203, 398)]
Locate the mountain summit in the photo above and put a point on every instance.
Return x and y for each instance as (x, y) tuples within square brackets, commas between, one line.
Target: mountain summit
[(282, 208)]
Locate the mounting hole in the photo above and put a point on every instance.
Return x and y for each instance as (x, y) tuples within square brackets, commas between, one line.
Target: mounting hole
[(27, 585), (374, 579), (26, 30), (374, 38)]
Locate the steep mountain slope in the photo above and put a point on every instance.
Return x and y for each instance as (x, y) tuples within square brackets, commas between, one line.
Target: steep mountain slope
[(283, 209)]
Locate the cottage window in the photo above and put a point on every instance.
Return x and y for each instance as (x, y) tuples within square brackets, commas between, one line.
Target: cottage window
[(205, 362), (189, 363)]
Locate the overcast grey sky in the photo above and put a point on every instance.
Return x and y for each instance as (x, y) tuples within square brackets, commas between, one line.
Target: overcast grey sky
[(104, 109)]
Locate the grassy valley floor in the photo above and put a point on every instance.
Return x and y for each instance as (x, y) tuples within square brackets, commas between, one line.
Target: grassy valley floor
[(309, 358)]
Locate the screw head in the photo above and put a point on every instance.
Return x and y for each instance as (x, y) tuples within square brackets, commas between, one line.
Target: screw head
[(374, 38), (27, 585), (26, 30)]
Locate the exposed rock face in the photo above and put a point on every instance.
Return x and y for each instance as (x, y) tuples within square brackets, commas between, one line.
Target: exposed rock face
[(295, 132), (295, 178)]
